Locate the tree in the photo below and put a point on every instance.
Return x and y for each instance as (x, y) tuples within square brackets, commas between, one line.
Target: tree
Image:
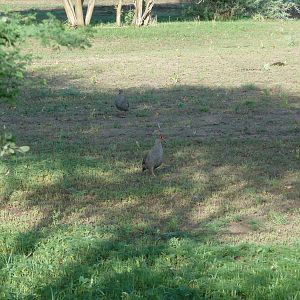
[(13, 63), (140, 17), (12, 66), (119, 13), (74, 12)]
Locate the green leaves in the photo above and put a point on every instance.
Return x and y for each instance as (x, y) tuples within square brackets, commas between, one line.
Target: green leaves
[(9, 31), (14, 29), (233, 9), (128, 17), (54, 33), (24, 149), (12, 62), (8, 146)]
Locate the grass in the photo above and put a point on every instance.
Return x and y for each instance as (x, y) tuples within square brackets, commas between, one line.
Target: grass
[(220, 220), (82, 263)]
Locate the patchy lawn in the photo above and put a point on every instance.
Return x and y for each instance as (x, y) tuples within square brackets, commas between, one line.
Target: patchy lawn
[(221, 218)]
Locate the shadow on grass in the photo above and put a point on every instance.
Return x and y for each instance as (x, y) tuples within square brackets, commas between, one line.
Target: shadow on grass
[(109, 231), (105, 14)]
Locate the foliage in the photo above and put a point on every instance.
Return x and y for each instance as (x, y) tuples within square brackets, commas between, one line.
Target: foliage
[(128, 17), (234, 9), (54, 33), (8, 145), (12, 63), (14, 29)]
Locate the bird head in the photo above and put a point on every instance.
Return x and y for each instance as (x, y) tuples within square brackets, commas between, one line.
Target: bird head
[(159, 136), (162, 138), (120, 92)]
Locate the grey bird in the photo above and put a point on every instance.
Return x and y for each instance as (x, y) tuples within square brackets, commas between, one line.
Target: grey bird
[(121, 102), (154, 158)]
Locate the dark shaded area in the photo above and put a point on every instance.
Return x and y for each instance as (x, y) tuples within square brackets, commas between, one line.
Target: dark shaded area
[(106, 14), (218, 132), (233, 132), (295, 13)]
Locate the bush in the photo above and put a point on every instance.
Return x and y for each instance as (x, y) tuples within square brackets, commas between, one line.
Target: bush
[(235, 9), (54, 33), (14, 29), (128, 17), (8, 145), (12, 63)]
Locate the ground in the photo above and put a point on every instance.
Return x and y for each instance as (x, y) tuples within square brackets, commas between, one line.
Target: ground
[(79, 220)]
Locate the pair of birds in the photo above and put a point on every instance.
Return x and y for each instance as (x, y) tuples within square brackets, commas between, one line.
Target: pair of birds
[(154, 158)]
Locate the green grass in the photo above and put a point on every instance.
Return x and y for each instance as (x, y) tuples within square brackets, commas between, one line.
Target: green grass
[(84, 263), (79, 220)]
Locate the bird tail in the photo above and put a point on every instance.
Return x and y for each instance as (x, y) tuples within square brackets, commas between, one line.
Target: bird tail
[(144, 165)]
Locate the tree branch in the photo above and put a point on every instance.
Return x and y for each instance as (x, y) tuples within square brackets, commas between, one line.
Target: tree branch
[(89, 12), (70, 12)]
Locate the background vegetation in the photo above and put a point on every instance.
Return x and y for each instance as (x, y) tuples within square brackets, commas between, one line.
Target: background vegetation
[(237, 9)]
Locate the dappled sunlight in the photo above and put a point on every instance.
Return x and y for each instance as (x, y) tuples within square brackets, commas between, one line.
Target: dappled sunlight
[(87, 177), (67, 250), (80, 219), (290, 185), (18, 219)]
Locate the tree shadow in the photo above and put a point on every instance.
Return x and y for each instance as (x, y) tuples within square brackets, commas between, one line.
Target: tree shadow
[(105, 14), (225, 152)]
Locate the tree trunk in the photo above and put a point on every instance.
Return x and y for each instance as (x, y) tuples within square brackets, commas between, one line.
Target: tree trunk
[(141, 18), (89, 12), (76, 16), (79, 12), (138, 12), (70, 12), (146, 18), (119, 13)]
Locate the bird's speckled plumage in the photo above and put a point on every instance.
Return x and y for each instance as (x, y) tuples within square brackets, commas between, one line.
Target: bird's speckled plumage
[(154, 158), (121, 102)]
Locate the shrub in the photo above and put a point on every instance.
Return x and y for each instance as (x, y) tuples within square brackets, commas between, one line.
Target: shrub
[(128, 17), (12, 63), (8, 145), (12, 67), (235, 9), (14, 29), (54, 33)]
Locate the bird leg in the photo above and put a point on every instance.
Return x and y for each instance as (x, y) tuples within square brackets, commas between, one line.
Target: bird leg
[(152, 171)]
